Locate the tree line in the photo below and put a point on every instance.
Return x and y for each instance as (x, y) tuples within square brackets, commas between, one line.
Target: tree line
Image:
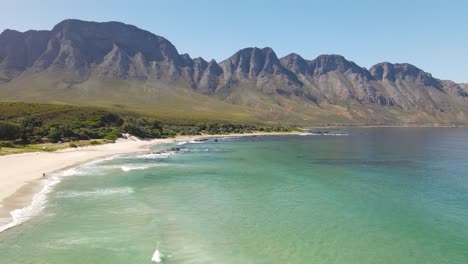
[(110, 126)]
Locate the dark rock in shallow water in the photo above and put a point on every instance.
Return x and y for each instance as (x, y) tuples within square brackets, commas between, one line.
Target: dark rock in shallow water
[(176, 149), (321, 132), (215, 140)]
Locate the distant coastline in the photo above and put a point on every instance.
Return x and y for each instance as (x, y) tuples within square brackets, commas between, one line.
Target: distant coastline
[(389, 126)]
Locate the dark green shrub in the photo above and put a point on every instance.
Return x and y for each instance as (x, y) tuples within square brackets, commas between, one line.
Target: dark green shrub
[(55, 135), (9, 131), (6, 144)]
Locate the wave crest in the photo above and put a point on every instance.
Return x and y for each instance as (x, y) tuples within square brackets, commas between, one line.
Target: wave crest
[(96, 192)]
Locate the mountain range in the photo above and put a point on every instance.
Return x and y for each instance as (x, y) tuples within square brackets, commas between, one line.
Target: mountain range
[(117, 65)]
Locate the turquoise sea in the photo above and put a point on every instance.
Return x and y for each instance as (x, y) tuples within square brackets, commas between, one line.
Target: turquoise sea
[(374, 195)]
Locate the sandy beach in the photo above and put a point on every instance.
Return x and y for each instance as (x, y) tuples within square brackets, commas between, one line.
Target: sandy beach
[(20, 174)]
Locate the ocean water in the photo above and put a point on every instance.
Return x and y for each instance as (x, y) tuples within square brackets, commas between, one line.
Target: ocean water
[(394, 195)]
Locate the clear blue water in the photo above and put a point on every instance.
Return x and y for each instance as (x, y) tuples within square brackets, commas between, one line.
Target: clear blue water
[(394, 195)]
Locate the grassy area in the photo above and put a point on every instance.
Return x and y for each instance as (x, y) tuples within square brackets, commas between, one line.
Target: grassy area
[(172, 104), (48, 147), (63, 113), (177, 104)]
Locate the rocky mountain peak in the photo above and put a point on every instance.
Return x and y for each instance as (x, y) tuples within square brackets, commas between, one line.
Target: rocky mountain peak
[(403, 71), (327, 63), (262, 67), (186, 60), (78, 51), (295, 63), (200, 61), (383, 71), (97, 40), (251, 62), (19, 50), (213, 67)]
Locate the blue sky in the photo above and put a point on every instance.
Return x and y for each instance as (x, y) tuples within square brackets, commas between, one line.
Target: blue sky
[(432, 35)]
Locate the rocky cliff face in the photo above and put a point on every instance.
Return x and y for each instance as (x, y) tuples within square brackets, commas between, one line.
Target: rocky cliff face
[(411, 87), (333, 79), (19, 51), (81, 51), (83, 48), (260, 68)]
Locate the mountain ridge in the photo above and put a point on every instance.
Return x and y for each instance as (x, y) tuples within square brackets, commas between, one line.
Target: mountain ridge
[(81, 56)]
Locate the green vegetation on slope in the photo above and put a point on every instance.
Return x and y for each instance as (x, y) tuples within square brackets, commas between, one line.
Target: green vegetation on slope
[(172, 104), (7, 147), (25, 123)]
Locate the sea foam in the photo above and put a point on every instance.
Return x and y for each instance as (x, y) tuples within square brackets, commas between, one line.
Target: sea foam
[(71, 172), (156, 256), (22, 215), (96, 192), (127, 168), (228, 138), (39, 200), (162, 155), (189, 142)]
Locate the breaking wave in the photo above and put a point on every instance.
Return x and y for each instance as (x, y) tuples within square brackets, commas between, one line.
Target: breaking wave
[(22, 215), (96, 192)]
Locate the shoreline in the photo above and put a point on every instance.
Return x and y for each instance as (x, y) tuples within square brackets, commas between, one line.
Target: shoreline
[(21, 178), (385, 126)]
